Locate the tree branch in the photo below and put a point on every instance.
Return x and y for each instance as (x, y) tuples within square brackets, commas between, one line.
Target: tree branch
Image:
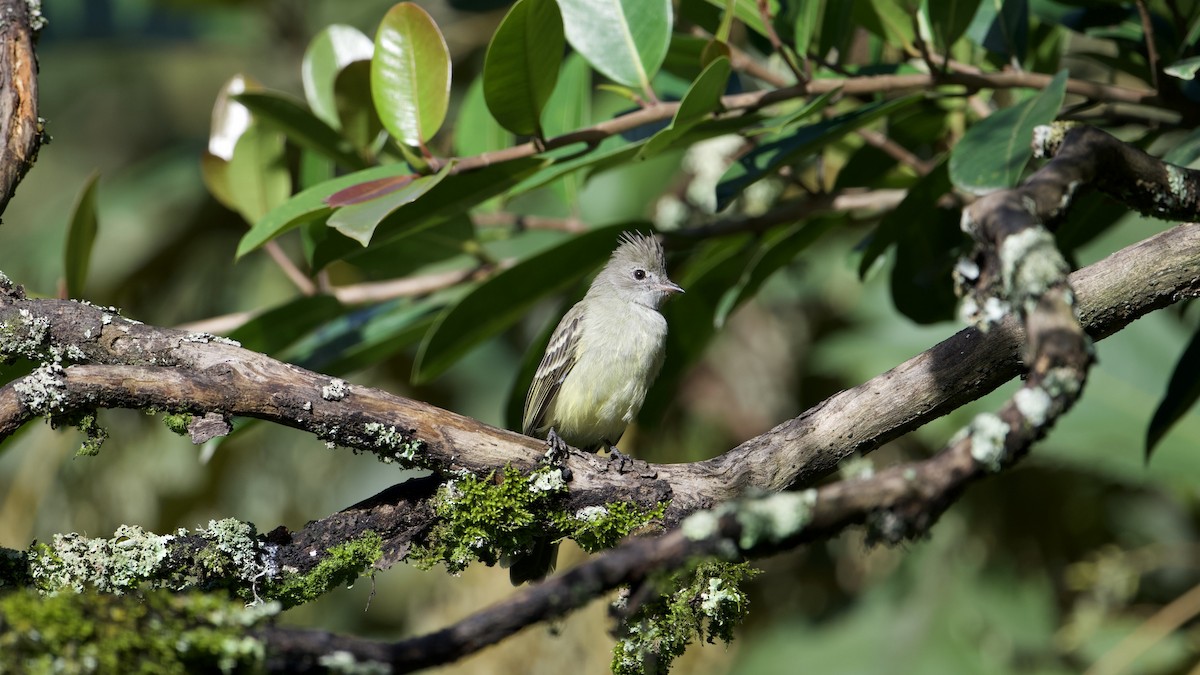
[(20, 126)]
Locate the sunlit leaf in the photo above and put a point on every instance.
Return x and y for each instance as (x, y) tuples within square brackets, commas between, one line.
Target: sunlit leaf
[(1185, 69), (500, 301), (1182, 393), (309, 205), (522, 65), (994, 152), (81, 234), (331, 50), (626, 40), (702, 99), (300, 126), (359, 220), (778, 149), (456, 194), (230, 119), (410, 74), (372, 189)]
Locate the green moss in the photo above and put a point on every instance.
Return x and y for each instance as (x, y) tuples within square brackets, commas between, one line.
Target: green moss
[(152, 632), (597, 528), (485, 518), (177, 423), (706, 603), (342, 565)]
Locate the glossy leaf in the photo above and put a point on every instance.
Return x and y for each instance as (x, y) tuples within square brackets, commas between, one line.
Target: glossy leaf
[(625, 40), (230, 119), (702, 99), (410, 74), (332, 49), (569, 108), (300, 126), (308, 206), (777, 249), (454, 195), (500, 301), (994, 152), (521, 66), (1182, 393), (476, 131), (258, 176), (359, 220), (81, 234), (372, 189), (779, 149)]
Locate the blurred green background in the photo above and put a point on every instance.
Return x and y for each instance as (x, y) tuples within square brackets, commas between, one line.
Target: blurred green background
[(1043, 569)]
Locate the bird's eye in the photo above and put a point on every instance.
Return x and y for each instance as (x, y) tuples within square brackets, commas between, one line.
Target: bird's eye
[(639, 274)]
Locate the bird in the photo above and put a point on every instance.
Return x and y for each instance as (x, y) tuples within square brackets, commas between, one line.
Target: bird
[(600, 361)]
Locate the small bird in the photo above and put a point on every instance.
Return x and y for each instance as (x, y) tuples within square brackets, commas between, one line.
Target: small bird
[(601, 360)]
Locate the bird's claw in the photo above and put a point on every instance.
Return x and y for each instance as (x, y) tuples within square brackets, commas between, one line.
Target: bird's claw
[(556, 453)]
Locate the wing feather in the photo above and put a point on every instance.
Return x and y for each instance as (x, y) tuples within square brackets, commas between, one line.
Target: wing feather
[(555, 365)]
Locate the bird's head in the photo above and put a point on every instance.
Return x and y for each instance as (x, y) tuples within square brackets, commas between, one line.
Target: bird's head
[(637, 272)]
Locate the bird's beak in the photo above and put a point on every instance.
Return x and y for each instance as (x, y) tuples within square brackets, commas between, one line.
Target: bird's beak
[(670, 287)]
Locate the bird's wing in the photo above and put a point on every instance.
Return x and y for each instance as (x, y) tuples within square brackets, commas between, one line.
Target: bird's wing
[(556, 363)]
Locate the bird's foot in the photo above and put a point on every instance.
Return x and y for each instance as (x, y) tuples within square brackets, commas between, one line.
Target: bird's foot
[(624, 462), (556, 453)]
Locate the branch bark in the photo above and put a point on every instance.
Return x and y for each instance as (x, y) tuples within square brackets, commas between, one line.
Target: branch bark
[(20, 126)]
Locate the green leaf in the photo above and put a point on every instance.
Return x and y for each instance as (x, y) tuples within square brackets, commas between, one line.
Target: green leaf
[(892, 21), (702, 98), (258, 176), (1185, 69), (569, 108), (356, 111), (747, 12), (365, 337), (943, 22), (1002, 27), (625, 40), (1182, 393), (521, 66), (994, 152), (777, 150), (808, 20), (308, 206), (778, 125), (300, 126), (275, 329), (81, 234), (444, 245), (359, 220), (928, 240), (476, 131), (332, 49), (410, 74), (777, 249), (502, 300), (456, 194)]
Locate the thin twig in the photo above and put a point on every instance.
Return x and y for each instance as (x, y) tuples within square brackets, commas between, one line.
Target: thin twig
[(300, 279), (1151, 632), (1148, 35)]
